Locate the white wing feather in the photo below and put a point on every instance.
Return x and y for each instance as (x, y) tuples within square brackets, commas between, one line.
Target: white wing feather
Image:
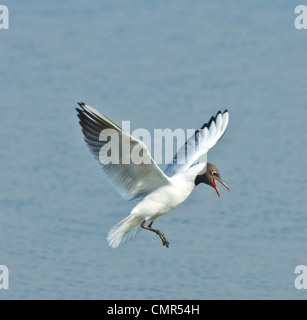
[(199, 144), (132, 181)]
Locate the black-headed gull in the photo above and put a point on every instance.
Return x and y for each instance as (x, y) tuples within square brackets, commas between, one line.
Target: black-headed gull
[(159, 192)]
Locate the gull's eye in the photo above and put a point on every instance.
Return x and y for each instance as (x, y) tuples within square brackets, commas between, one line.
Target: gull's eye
[(214, 173)]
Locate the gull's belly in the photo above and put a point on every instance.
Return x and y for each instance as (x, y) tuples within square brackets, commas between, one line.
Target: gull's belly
[(162, 201)]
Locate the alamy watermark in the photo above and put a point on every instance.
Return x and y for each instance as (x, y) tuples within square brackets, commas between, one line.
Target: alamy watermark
[(4, 17), (300, 21), (300, 281), (4, 277), (120, 148)]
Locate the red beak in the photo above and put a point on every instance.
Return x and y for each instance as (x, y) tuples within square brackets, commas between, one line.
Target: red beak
[(216, 189)]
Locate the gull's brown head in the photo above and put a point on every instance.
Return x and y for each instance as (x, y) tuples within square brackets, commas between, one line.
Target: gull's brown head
[(212, 173)]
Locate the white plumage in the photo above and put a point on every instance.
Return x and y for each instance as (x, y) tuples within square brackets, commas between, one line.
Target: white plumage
[(157, 191)]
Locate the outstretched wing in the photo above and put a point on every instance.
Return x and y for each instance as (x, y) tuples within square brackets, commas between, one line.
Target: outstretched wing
[(199, 144), (131, 180)]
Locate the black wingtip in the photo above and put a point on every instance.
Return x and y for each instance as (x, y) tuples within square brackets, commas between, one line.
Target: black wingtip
[(211, 120), (208, 124), (81, 104)]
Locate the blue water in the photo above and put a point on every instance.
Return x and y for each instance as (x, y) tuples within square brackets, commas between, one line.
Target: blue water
[(159, 64)]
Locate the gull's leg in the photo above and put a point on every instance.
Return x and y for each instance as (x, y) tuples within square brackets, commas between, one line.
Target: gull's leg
[(159, 233)]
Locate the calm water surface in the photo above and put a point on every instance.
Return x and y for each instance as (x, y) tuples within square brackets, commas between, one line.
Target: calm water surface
[(162, 65)]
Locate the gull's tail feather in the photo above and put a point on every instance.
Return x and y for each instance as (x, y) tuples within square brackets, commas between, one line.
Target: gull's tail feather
[(124, 231)]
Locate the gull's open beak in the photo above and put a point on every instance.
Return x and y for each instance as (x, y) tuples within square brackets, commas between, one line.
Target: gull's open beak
[(215, 187)]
